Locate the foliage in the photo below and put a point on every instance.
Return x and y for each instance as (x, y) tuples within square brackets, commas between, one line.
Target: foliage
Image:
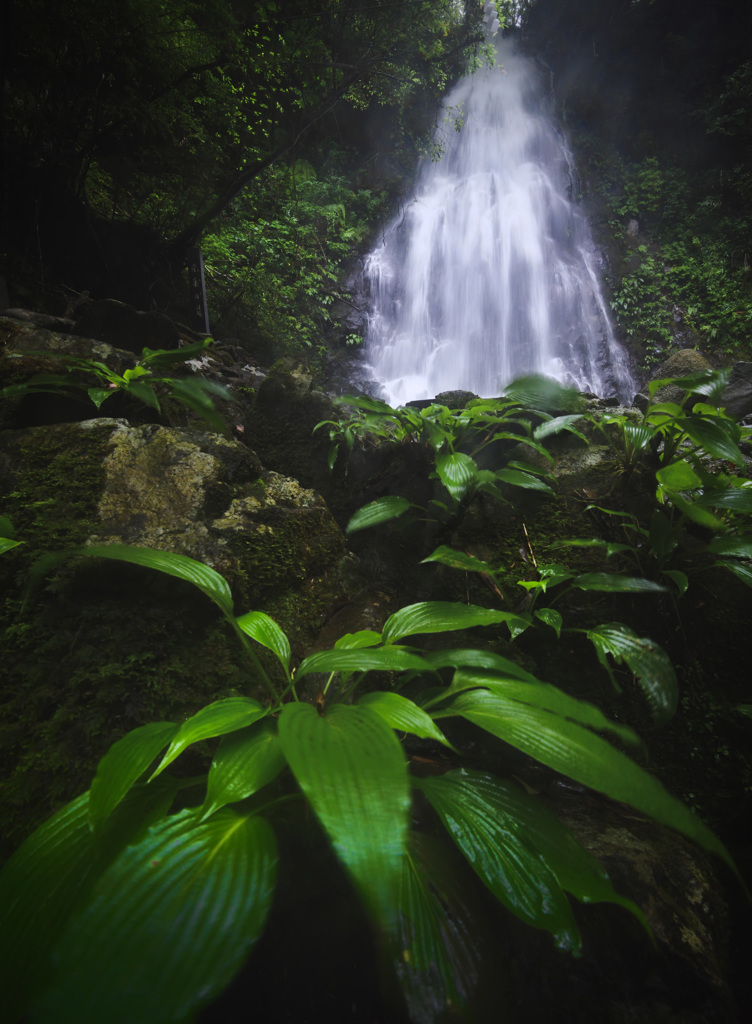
[(456, 437), (121, 906), (90, 378)]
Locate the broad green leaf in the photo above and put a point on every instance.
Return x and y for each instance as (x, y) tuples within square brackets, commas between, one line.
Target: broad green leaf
[(459, 560), (615, 583), (216, 719), (474, 658), (612, 547), (740, 570), (352, 769), (661, 534), (381, 659), (517, 478), (543, 696), (123, 764), (457, 472), (244, 762), (694, 511), (99, 395), (436, 947), (746, 709), (7, 530), (544, 393), (732, 547), (678, 476), (144, 393), (265, 631), (551, 618), (379, 511), (577, 871), (6, 544), (354, 641), (637, 436), (678, 578), (738, 499), (403, 715), (158, 358), (648, 662), (168, 925), (497, 850), (181, 566), (50, 876), (714, 439), (440, 617), (556, 425), (569, 748)]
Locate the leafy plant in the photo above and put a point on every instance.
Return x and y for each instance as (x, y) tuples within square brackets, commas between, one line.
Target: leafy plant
[(92, 379), (456, 437), (121, 907)]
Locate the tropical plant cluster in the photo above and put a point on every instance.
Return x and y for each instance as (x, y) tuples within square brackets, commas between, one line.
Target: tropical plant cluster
[(143, 897)]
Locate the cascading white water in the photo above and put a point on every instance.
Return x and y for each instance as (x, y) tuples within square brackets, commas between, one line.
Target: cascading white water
[(490, 272)]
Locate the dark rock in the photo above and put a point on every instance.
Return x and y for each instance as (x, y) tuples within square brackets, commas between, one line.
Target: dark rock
[(737, 398), (50, 323), (125, 327)]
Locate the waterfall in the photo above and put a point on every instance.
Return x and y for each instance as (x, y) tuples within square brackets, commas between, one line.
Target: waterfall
[(490, 271)]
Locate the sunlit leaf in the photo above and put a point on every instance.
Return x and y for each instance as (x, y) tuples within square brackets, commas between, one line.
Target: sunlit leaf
[(381, 659), (354, 641), (457, 472), (440, 617), (168, 925), (265, 631), (517, 478), (498, 852), (216, 719), (245, 762), (403, 715), (648, 662), (379, 511), (551, 618), (732, 547), (475, 658), (352, 769), (123, 764)]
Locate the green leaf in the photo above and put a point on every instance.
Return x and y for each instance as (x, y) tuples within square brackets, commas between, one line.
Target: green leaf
[(740, 570), (577, 871), (679, 579), (216, 719), (51, 874), (738, 499), (615, 583), (543, 393), (123, 764), (648, 662), (569, 748), (440, 617), (181, 566), (457, 472), (244, 762), (519, 479), (543, 696), (490, 839), (99, 395), (144, 393), (551, 618), (714, 439), (379, 511), (662, 536), (158, 358), (265, 631), (678, 476), (382, 659), (436, 946), (352, 769), (556, 425), (169, 924), (474, 658), (6, 544), (459, 560), (403, 715), (732, 547), (355, 641)]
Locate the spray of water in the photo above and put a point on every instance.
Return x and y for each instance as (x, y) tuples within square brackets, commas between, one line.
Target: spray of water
[(490, 272)]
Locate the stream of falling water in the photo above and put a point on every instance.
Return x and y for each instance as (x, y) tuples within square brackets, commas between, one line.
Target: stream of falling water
[(490, 272)]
